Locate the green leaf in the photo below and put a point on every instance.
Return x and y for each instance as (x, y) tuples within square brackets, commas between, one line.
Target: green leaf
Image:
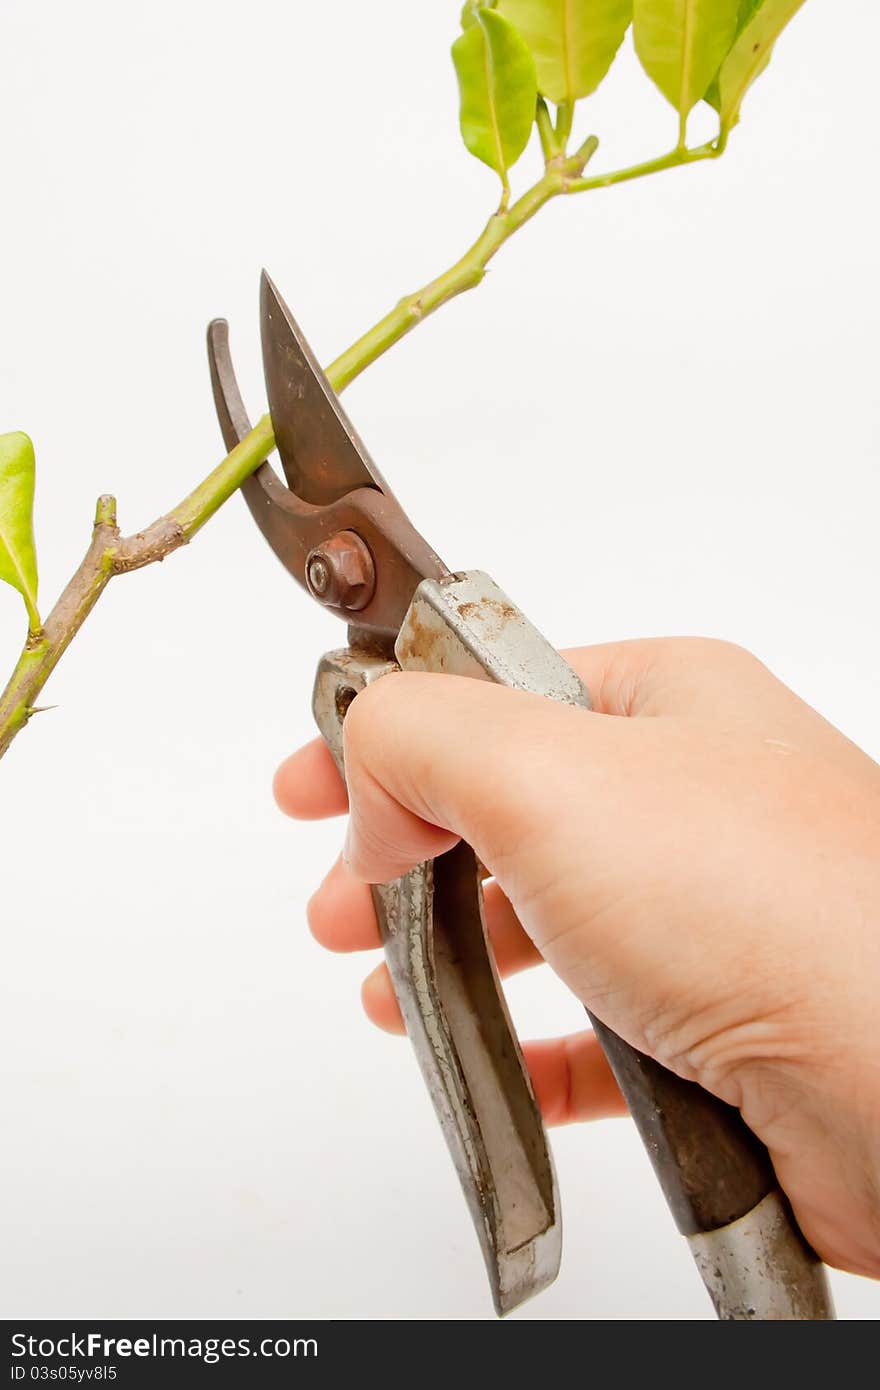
[(681, 44), (746, 9), (18, 556), (498, 89), (573, 41), (469, 10), (750, 55)]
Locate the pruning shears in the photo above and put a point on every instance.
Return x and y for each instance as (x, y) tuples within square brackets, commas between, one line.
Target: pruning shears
[(338, 529)]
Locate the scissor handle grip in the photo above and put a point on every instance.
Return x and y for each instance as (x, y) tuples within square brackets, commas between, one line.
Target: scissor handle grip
[(715, 1173), (432, 927)]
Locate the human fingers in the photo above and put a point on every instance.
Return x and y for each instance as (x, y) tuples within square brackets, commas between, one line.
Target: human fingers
[(380, 1002), (572, 1079), (342, 918), (511, 947), (430, 758), (644, 677), (308, 786)]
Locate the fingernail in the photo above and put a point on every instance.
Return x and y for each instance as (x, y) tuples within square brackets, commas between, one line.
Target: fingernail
[(347, 846)]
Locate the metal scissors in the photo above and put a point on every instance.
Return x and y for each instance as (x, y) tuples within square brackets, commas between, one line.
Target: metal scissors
[(338, 529)]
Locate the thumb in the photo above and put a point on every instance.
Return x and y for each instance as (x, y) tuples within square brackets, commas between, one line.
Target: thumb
[(433, 758)]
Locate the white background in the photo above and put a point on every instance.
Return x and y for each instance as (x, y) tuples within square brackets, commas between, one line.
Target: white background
[(676, 383)]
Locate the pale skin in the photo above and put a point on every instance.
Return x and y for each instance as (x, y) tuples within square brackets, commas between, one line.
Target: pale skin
[(698, 860)]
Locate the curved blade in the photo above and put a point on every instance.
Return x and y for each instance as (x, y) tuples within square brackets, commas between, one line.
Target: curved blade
[(234, 422), (322, 456), (294, 526)]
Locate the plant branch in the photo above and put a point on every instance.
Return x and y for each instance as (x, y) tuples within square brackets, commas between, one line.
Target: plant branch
[(673, 160), (45, 647), (467, 272), (110, 553)]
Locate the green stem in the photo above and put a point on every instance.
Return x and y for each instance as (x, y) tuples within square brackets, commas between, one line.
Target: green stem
[(467, 271), (201, 504), (564, 118), (561, 176), (673, 160), (546, 133)]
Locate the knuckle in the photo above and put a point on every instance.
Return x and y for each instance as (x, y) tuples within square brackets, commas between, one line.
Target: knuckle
[(719, 649), (711, 652)]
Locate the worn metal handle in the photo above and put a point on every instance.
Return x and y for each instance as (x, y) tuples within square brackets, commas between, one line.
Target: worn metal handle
[(432, 926)]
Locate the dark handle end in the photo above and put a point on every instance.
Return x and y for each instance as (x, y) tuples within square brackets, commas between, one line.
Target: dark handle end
[(712, 1168)]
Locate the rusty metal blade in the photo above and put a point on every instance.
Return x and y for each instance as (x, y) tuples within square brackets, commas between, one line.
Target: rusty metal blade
[(321, 453), (234, 422)]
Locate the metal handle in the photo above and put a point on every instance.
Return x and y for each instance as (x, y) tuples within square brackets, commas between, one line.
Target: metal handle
[(431, 923)]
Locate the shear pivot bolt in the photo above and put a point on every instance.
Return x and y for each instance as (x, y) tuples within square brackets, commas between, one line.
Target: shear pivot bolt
[(341, 573), (319, 575)]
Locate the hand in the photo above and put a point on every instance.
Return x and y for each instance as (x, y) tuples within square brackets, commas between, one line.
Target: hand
[(698, 859)]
